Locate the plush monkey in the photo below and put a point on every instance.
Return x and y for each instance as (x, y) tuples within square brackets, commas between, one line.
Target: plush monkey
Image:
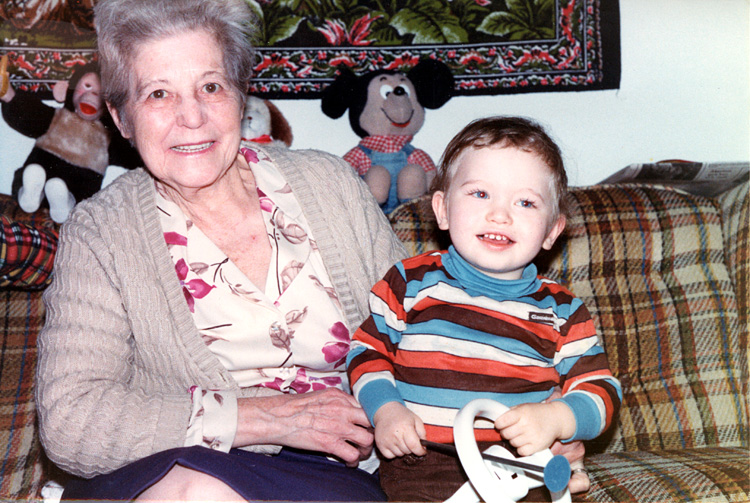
[(74, 143)]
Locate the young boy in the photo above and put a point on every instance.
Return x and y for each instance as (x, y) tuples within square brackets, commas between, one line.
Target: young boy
[(476, 321)]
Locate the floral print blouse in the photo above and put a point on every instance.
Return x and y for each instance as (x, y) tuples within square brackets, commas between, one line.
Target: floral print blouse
[(288, 335)]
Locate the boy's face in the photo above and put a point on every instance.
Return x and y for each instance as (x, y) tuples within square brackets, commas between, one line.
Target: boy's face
[(499, 210)]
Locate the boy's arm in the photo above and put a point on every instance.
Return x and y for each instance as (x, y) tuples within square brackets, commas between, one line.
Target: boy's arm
[(588, 386), (370, 359)]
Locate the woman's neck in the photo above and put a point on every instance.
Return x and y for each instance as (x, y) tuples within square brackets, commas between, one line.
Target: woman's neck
[(232, 195)]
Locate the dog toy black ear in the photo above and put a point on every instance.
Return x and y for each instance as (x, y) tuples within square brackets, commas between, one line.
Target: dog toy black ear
[(338, 96), (433, 81)]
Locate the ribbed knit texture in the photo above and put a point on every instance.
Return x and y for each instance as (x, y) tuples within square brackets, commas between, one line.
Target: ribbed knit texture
[(119, 349)]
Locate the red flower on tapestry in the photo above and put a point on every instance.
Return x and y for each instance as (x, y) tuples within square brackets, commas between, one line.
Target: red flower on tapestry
[(336, 351), (276, 60), (336, 34), (193, 289)]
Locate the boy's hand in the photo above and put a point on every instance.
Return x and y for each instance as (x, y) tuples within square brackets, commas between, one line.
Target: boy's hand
[(398, 431), (531, 427)]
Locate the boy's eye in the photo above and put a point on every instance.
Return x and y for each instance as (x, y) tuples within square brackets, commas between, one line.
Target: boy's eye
[(526, 203), (480, 194)]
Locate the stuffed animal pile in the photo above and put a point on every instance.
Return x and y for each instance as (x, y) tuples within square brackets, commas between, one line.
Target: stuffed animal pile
[(386, 109)]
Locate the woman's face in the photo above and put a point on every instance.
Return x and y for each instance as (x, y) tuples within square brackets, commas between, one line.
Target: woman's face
[(184, 116)]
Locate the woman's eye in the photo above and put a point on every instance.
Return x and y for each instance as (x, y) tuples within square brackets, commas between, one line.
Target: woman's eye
[(212, 87), (158, 94)]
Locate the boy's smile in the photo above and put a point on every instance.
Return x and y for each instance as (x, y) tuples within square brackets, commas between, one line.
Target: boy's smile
[(499, 209)]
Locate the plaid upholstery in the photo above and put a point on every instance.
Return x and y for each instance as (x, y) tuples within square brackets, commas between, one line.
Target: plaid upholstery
[(27, 254), (649, 264), (713, 474), (28, 243), (21, 315), (414, 224), (736, 220)]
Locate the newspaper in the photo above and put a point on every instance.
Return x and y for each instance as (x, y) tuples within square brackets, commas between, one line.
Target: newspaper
[(702, 178)]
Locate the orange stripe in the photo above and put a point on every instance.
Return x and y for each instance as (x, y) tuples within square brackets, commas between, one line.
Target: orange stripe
[(438, 360)]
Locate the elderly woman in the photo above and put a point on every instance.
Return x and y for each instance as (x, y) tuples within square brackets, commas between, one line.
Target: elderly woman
[(201, 307)]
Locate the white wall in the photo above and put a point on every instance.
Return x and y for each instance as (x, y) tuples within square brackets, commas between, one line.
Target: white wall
[(684, 93)]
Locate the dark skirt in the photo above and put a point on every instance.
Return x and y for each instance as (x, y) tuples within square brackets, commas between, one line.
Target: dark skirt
[(290, 476)]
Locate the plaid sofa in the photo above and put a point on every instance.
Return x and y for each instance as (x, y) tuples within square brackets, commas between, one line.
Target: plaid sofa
[(665, 276)]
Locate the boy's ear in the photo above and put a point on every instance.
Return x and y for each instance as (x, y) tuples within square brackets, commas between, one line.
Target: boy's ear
[(440, 210), (554, 232)]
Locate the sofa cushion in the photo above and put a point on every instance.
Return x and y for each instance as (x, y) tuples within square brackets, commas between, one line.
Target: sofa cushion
[(735, 206), (25, 263), (21, 315), (715, 474), (649, 264)]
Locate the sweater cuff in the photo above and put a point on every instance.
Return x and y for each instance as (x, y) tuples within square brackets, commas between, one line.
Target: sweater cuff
[(375, 394), (586, 413)]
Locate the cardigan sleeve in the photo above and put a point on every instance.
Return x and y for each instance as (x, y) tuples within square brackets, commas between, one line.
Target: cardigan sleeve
[(92, 418)]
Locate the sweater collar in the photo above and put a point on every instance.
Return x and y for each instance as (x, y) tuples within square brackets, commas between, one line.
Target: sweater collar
[(477, 282)]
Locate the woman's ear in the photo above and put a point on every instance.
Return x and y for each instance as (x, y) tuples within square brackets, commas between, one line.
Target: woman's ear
[(118, 122), (440, 209), (554, 232)]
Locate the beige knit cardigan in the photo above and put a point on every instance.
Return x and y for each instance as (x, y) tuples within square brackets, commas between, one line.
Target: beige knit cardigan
[(119, 348)]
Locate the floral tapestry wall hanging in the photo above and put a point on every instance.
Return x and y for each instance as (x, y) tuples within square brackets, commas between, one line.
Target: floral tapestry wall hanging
[(491, 46)]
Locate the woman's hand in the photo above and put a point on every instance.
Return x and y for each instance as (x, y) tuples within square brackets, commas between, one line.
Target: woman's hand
[(328, 421), (574, 452), (398, 431)]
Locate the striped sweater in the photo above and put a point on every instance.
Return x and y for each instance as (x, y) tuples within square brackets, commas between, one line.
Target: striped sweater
[(441, 334)]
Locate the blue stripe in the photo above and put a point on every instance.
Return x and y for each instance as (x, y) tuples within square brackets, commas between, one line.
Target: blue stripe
[(375, 394), (455, 399)]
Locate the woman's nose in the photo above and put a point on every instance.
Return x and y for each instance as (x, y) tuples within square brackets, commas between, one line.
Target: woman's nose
[(190, 112)]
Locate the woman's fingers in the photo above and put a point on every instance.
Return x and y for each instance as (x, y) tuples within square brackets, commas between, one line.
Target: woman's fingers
[(328, 421)]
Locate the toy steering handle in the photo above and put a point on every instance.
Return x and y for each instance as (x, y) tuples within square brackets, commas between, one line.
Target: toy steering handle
[(485, 482)]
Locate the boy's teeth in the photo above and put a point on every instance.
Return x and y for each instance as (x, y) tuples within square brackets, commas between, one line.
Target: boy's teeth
[(495, 237), (192, 148)]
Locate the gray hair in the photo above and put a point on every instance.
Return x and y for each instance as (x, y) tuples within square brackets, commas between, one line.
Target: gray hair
[(123, 25)]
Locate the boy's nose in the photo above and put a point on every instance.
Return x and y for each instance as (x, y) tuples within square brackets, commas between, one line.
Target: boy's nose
[(499, 214)]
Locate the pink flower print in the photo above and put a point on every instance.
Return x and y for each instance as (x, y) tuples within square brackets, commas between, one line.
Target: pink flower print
[(336, 351), (193, 289), (251, 156), (173, 238), (265, 202)]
